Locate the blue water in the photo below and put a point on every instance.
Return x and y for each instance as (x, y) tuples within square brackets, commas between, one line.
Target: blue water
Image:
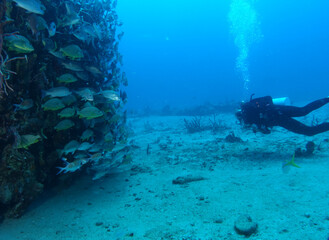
[(183, 53)]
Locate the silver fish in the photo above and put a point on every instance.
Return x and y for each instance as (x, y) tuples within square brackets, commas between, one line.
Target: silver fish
[(70, 147), (85, 146), (86, 94), (34, 6), (72, 166), (57, 92), (59, 55), (72, 66), (110, 94)]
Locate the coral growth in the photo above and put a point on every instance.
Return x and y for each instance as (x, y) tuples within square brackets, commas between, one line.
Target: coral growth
[(60, 75)]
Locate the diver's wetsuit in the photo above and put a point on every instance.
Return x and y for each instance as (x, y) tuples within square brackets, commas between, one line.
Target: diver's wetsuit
[(263, 113)]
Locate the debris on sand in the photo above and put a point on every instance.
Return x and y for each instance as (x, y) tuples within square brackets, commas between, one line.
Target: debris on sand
[(187, 179)]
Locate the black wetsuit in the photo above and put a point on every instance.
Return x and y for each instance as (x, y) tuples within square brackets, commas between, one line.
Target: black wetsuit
[(264, 114)]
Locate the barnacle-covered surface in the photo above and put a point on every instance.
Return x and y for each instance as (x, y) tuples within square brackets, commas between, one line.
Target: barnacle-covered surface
[(61, 96)]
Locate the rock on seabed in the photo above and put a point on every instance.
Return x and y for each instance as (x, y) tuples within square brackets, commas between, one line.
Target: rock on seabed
[(245, 226)]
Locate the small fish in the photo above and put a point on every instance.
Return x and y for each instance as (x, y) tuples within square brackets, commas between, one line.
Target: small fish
[(88, 133), (53, 104), (90, 113), (64, 125), (89, 30), (96, 157), (72, 51), (73, 66), (52, 29), (59, 55), (67, 78), (82, 36), (27, 140), (70, 147), (69, 100), (286, 165), (67, 113), (18, 43), (57, 92), (94, 70), (36, 23), (99, 174), (87, 104), (72, 166), (33, 6), (86, 94), (81, 155), (85, 146), (96, 148), (32, 23), (68, 20), (118, 159), (24, 105), (82, 75), (119, 147), (110, 95), (50, 45)]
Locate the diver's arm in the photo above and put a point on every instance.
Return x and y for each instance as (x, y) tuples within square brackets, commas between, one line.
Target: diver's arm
[(265, 129), (260, 128)]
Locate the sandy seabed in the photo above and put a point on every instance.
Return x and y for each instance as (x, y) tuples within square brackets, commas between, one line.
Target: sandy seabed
[(140, 201)]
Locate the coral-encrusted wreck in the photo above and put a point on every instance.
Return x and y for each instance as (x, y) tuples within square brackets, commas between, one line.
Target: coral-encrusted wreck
[(61, 95)]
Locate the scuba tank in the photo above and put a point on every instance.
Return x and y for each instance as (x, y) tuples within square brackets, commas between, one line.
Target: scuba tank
[(281, 101)]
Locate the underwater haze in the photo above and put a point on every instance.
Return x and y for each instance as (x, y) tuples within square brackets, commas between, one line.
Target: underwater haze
[(85, 155), (185, 53)]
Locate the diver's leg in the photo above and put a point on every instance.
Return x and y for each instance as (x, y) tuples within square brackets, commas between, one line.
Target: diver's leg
[(300, 128), (291, 111)]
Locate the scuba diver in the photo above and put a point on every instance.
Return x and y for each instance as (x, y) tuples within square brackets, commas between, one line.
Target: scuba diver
[(262, 114)]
